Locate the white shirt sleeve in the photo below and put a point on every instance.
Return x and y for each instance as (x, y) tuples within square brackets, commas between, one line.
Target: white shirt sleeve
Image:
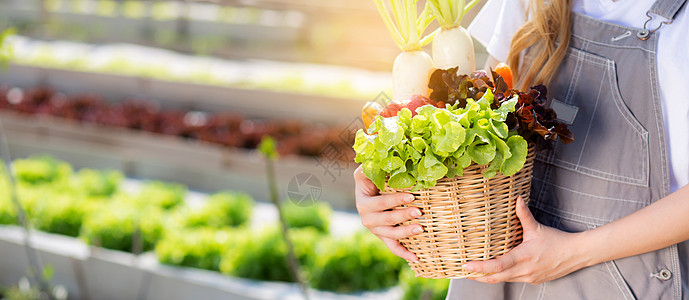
[(495, 25)]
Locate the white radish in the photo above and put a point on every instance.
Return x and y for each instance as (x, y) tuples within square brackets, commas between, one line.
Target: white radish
[(410, 73), (452, 46), (413, 67)]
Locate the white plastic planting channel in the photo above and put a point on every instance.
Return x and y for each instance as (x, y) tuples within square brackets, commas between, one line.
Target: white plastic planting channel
[(95, 273)]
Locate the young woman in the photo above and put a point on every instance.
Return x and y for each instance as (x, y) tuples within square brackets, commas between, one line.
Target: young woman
[(608, 216)]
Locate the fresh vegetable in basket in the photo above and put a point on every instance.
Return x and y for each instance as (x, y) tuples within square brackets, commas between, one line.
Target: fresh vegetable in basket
[(416, 151), (531, 119), (452, 45), (412, 67), (452, 48), (469, 117)]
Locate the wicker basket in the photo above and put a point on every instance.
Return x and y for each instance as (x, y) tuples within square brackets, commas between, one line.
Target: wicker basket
[(466, 218)]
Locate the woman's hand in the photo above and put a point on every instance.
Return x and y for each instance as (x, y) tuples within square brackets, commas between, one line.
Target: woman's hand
[(545, 254), (377, 216)]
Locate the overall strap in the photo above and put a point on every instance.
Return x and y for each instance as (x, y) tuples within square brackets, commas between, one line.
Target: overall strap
[(667, 8)]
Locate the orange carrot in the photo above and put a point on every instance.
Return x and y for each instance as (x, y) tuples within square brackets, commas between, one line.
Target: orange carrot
[(505, 72)]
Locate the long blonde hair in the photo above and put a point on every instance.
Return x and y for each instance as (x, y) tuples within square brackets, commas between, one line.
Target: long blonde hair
[(547, 36)]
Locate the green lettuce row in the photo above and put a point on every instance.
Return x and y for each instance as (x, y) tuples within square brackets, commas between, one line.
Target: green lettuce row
[(440, 142)]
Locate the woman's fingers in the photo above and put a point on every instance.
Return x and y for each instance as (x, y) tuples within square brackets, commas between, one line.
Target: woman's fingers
[(378, 216), (383, 202), (390, 218), (495, 278), (496, 265), (368, 199), (397, 232), (397, 249)]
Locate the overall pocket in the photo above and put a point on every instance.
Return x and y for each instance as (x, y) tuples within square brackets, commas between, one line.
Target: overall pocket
[(604, 174), (610, 143)]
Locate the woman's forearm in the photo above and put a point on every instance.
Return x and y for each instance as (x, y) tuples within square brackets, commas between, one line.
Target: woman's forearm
[(661, 224), (547, 253)]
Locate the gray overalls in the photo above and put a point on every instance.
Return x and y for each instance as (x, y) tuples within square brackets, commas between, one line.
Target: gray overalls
[(607, 87)]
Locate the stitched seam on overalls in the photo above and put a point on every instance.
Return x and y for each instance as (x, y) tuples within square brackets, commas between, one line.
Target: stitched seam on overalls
[(521, 294), (673, 8), (600, 174), (583, 54), (646, 164), (660, 124), (588, 130), (590, 195), (676, 280), (639, 129), (541, 292), (617, 98), (612, 274), (588, 57), (594, 61), (575, 79), (543, 158)]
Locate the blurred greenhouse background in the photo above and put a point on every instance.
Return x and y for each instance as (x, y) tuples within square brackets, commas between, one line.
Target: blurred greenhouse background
[(132, 128)]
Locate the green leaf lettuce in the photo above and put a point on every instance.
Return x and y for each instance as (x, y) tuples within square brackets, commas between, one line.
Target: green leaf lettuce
[(417, 151)]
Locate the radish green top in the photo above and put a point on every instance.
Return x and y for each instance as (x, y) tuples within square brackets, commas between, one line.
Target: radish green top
[(449, 13), (406, 26)]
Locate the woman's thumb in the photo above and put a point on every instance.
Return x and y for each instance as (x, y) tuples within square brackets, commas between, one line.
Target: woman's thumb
[(525, 216)]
